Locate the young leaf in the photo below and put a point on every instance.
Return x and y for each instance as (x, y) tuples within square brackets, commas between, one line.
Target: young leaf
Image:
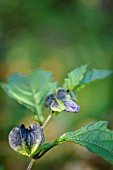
[(91, 76), (30, 90), (74, 77), (95, 137)]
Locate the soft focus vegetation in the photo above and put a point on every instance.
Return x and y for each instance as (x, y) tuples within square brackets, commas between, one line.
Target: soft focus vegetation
[(56, 35)]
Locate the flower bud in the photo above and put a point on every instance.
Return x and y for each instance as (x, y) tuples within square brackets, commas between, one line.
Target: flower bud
[(61, 94), (48, 101), (26, 141)]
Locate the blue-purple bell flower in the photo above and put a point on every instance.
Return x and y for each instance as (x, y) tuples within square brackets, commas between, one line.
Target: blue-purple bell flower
[(67, 101), (71, 106)]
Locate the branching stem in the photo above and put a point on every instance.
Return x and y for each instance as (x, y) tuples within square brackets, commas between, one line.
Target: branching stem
[(43, 126)]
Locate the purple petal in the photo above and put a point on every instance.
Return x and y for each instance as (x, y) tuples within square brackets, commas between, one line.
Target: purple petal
[(71, 106)]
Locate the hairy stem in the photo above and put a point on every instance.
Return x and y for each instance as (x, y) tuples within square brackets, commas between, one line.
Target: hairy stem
[(46, 121), (30, 164)]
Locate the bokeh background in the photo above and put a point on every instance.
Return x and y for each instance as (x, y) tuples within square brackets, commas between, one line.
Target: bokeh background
[(56, 35)]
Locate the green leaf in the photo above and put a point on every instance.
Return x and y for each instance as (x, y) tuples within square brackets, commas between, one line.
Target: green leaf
[(74, 77), (30, 90), (95, 137), (93, 75)]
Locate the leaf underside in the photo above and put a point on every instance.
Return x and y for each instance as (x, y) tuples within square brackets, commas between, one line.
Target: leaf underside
[(30, 90)]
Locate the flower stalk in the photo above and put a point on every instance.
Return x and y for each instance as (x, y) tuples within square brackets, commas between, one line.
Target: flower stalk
[(46, 121), (30, 164)]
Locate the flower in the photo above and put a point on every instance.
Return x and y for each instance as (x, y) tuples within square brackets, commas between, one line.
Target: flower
[(62, 101), (67, 99), (26, 141), (71, 106)]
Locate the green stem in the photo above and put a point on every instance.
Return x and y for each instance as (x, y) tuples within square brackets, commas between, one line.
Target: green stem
[(46, 150), (46, 121), (30, 164), (37, 156)]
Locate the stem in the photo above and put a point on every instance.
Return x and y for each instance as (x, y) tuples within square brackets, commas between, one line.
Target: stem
[(46, 121), (46, 150), (30, 164)]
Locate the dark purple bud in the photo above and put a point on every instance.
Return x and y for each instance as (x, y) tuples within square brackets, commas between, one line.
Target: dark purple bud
[(71, 106), (48, 101), (61, 94)]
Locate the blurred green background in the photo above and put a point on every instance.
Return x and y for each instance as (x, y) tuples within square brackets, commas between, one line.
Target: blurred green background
[(56, 35)]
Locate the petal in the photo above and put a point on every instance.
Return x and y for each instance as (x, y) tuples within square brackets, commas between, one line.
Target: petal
[(48, 101), (63, 95), (71, 106)]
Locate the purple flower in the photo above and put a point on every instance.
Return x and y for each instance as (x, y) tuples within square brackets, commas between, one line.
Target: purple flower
[(63, 100), (71, 106), (26, 141)]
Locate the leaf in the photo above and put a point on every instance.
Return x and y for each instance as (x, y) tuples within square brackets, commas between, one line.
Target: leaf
[(95, 137), (74, 77), (93, 75), (30, 90)]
